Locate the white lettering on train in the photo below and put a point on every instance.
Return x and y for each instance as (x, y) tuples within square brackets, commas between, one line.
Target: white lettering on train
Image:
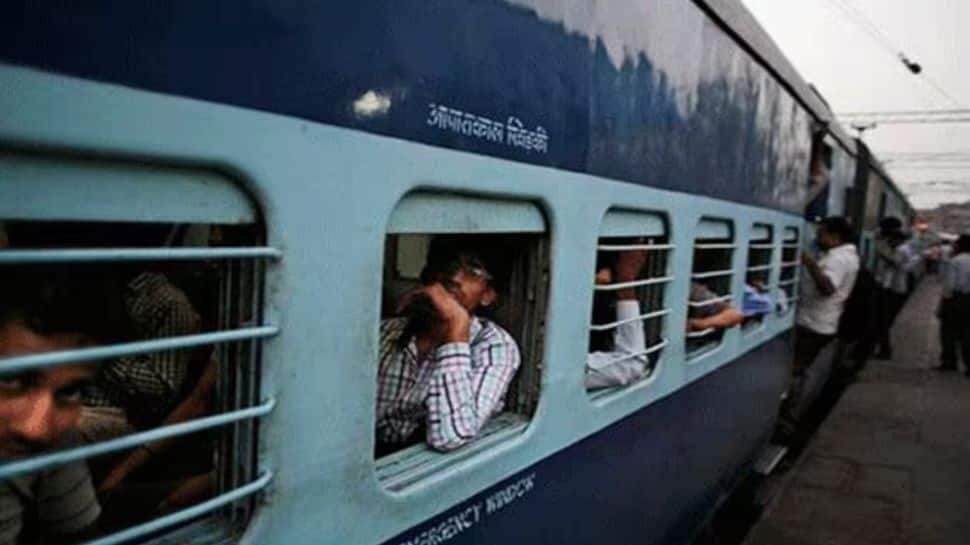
[(509, 494), (512, 133), (457, 523), (448, 528)]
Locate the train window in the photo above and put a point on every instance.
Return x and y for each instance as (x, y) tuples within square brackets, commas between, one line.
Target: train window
[(710, 289), (788, 279), (162, 319), (630, 281), (445, 240), (757, 279)]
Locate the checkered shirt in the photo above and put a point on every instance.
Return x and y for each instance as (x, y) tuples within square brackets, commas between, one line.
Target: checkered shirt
[(453, 390), (157, 310)]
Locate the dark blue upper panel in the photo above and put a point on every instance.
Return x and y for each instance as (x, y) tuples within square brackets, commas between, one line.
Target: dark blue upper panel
[(485, 76)]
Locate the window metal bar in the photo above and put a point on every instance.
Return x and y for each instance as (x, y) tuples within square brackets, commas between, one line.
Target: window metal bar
[(627, 247), (788, 282), (250, 368), (791, 245), (234, 271), (646, 352), (19, 364), (761, 246), (633, 283), (16, 257), (789, 264), (712, 274), (37, 463), (223, 386), (711, 301), (642, 317), (756, 268), (701, 333), (715, 246), (187, 514)]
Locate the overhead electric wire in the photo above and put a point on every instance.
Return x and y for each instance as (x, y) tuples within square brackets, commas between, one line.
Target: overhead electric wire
[(930, 167), (876, 113), (957, 160), (861, 19), (923, 120), (953, 154), (893, 48), (940, 89), (934, 164), (882, 37), (961, 115), (946, 154)]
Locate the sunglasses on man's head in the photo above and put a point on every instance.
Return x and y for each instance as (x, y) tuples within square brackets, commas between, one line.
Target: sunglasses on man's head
[(478, 272)]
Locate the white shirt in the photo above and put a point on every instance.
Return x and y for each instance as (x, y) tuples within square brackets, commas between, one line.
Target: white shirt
[(626, 363), (821, 313), (956, 275), (893, 274)]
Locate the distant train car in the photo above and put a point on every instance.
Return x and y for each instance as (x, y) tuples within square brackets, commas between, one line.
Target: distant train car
[(282, 171)]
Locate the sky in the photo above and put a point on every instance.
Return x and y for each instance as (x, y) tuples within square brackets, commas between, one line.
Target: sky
[(855, 72)]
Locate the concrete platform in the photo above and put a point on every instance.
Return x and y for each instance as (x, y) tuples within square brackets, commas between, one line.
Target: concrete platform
[(891, 464)]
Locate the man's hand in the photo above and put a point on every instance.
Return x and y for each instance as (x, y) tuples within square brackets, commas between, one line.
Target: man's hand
[(807, 259), (629, 263), (603, 276), (695, 324), (729, 317), (455, 320)]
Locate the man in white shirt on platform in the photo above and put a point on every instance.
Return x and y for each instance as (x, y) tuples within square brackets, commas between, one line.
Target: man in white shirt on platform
[(895, 261), (954, 310), (822, 299)]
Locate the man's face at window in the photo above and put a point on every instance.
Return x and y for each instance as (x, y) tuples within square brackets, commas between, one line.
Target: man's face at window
[(470, 286), (38, 407)]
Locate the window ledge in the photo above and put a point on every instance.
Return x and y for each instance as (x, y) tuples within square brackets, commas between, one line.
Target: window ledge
[(703, 351), (212, 530), (406, 467), (755, 328), (605, 396)]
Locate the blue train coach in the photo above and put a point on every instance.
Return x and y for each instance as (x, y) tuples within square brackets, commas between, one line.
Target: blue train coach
[(284, 168)]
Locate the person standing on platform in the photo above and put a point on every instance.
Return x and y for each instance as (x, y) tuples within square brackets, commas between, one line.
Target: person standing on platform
[(894, 261), (822, 300), (954, 309)]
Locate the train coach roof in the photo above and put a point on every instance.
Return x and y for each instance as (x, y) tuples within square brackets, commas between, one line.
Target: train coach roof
[(739, 21), (847, 141)]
